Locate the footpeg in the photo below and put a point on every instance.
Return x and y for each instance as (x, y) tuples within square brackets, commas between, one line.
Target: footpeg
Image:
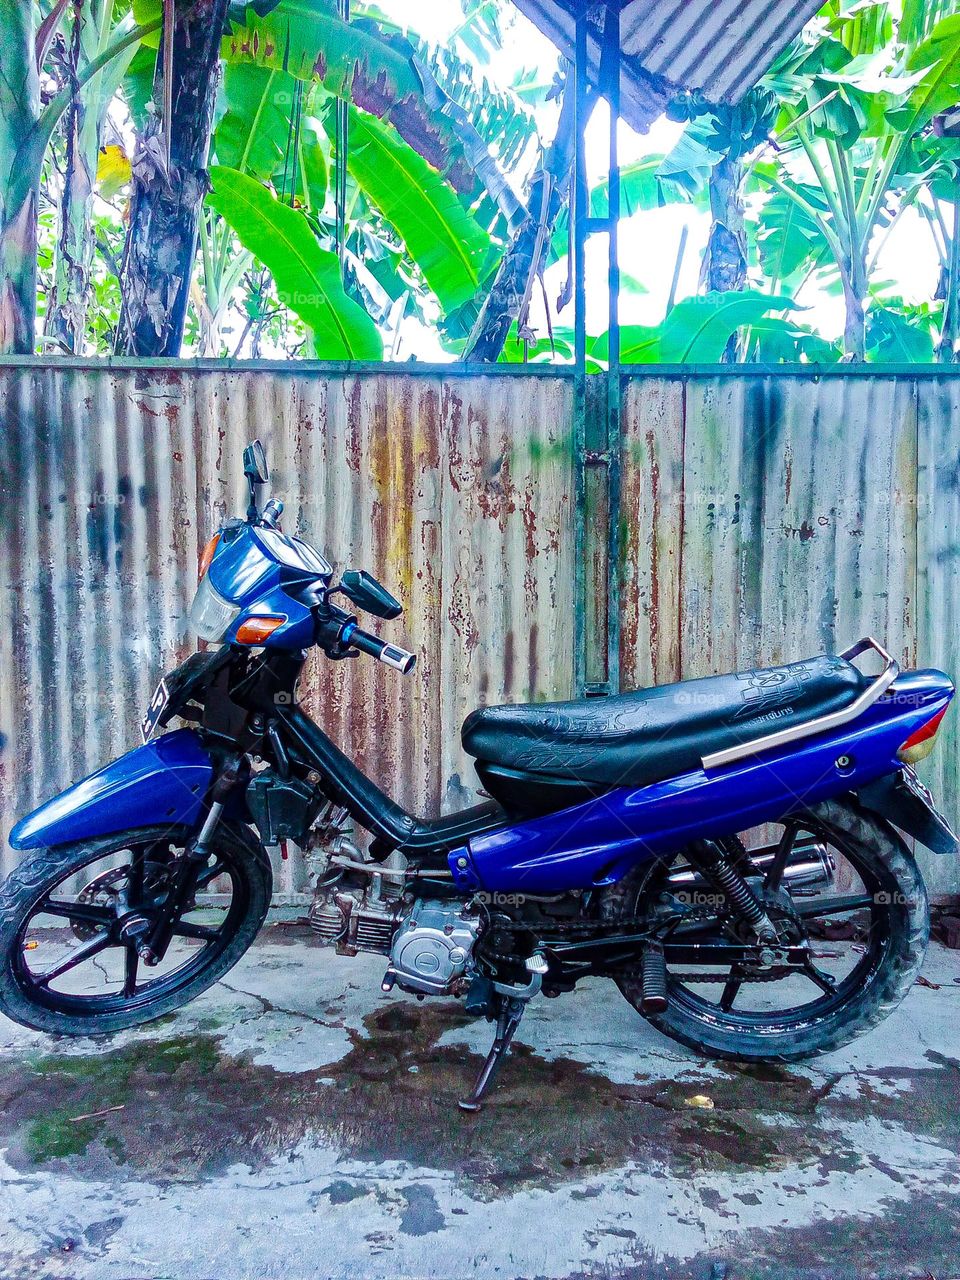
[(654, 980)]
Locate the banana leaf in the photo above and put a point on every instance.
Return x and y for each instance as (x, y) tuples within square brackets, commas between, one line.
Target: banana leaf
[(254, 134), (354, 61), (307, 278), (447, 243), (696, 331)]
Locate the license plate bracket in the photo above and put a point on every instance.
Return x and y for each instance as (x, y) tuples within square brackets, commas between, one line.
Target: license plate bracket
[(158, 704)]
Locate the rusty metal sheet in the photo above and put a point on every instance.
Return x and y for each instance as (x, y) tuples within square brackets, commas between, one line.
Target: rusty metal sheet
[(455, 491), (799, 513), (652, 516), (938, 591), (799, 531), (506, 633)]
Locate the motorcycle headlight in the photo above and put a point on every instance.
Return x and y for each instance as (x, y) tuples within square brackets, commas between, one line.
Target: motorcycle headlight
[(210, 615)]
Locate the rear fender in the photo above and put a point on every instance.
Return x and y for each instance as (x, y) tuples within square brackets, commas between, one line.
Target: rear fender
[(903, 800), (164, 781)]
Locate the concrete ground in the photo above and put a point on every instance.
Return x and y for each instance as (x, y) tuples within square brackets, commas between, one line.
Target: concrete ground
[(294, 1122)]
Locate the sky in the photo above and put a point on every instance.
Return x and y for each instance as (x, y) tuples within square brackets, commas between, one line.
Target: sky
[(648, 241)]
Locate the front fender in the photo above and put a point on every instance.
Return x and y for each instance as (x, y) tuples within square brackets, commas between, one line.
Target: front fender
[(164, 781)]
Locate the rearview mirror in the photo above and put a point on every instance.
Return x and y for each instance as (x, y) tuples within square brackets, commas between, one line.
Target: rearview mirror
[(255, 463), (367, 594)]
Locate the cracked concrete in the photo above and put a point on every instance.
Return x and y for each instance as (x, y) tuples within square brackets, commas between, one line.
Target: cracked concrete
[(296, 1121)]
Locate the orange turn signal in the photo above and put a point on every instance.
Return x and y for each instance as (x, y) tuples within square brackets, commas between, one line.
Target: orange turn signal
[(206, 555), (256, 630)]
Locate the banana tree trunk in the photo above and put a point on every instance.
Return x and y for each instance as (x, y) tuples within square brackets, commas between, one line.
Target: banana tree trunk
[(83, 124), (502, 305), (855, 328), (67, 304), (724, 267), (168, 189), (21, 158)]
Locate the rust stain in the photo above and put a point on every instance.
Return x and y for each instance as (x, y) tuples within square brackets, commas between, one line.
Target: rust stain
[(449, 490), (354, 440)]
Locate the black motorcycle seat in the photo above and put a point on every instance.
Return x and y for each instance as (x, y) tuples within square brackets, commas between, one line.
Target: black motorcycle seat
[(637, 738)]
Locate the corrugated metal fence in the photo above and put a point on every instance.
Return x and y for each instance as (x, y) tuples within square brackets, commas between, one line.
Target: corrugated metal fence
[(765, 516)]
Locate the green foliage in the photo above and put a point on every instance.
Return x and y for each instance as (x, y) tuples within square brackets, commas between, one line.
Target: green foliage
[(498, 115), (540, 350), (901, 334), (448, 245), (696, 331), (854, 109), (255, 134), (789, 239), (862, 28), (919, 17), (355, 61), (307, 278)]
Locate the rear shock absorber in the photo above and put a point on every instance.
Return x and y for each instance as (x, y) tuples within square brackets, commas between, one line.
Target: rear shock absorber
[(741, 899)]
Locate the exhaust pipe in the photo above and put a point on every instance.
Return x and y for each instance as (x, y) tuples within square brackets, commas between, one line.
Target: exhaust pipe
[(811, 865)]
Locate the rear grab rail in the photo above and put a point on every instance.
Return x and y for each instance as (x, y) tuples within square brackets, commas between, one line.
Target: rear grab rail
[(821, 724)]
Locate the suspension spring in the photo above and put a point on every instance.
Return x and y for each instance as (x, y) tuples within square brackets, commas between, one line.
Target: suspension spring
[(740, 897)]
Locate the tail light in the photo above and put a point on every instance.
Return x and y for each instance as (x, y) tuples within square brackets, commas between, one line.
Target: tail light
[(920, 743), (206, 555)]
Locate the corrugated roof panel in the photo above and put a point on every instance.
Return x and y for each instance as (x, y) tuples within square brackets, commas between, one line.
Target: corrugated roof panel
[(719, 48)]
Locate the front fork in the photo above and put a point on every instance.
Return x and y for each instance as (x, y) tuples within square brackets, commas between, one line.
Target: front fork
[(152, 946)]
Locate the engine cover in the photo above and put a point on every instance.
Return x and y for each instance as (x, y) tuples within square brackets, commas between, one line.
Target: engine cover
[(432, 950)]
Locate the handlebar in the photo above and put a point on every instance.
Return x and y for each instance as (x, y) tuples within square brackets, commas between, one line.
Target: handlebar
[(391, 654)]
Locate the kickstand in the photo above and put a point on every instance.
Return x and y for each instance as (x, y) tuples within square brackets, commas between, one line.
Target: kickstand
[(508, 1019)]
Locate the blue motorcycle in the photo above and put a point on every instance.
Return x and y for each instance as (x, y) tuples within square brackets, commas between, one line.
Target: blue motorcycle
[(728, 850)]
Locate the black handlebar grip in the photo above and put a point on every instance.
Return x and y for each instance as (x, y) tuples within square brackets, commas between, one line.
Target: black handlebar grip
[(391, 654)]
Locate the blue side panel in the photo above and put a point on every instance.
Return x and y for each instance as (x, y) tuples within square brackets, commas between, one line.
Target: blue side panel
[(164, 781), (600, 841)]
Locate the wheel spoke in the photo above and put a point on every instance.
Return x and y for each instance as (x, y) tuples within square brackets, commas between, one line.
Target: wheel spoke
[(730, 990), (824, 981), (130, 966), (79, 912), (92, 948), (186, 929), (831, 906), (135, 880), (777, 867)]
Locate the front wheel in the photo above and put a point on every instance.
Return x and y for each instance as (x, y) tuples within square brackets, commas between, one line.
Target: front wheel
[(866, 934), (70, 917)]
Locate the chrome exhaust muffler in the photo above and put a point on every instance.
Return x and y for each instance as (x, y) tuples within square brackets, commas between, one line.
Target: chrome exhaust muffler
[(811, 865)]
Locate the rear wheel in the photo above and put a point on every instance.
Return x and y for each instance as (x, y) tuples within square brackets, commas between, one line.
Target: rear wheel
[(70, 918), (866, 932)]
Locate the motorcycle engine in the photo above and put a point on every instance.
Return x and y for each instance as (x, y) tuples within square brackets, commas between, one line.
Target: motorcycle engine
[(433, 948), (430, 943)]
